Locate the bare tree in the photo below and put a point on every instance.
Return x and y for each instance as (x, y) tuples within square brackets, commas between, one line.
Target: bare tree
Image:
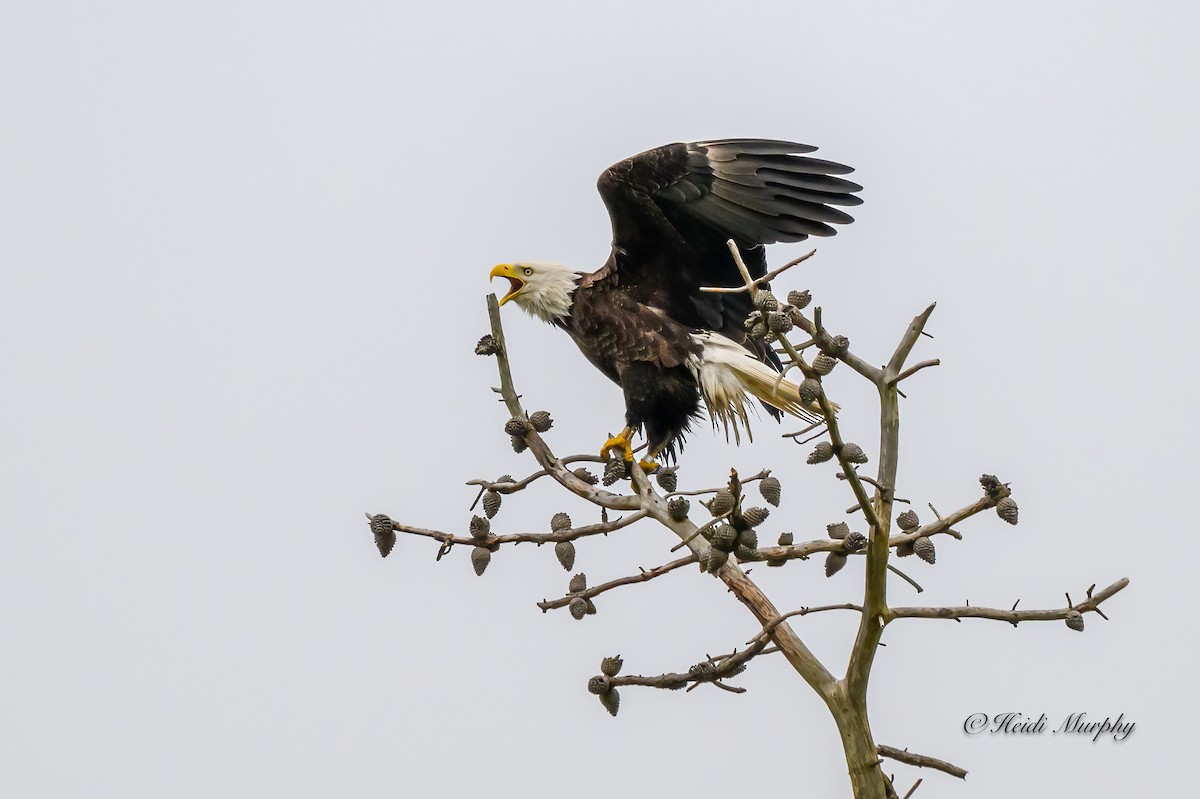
[(729, 537)]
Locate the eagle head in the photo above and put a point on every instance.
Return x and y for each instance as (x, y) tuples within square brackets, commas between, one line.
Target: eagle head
[(543, 290)]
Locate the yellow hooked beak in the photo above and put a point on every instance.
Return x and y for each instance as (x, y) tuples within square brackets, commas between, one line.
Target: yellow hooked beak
[(516, 284)]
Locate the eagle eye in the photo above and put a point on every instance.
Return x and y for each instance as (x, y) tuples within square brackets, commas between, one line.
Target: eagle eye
[(528, 271)]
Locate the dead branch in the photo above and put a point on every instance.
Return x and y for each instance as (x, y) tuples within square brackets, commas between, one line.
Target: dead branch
[(922, 761), (1012, 616), (594, 591)]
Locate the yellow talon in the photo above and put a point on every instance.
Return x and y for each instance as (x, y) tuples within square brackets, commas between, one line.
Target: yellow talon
[(648, 465), (619, 441)]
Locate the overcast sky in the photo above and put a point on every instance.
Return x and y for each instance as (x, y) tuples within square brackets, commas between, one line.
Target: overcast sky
[(243, 261)]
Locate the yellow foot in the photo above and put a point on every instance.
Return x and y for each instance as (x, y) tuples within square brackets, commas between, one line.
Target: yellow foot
[(619, 441), (648, 465)]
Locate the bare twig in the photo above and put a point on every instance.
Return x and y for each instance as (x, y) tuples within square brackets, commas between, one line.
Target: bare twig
[(922, 761), (912, 370), (767, 278), (641, 577)]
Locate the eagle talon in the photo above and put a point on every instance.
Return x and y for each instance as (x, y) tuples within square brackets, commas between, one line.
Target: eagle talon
[(648, 465), (619, 441)]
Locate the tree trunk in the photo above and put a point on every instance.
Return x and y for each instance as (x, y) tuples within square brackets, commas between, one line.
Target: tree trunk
[(862, 755)]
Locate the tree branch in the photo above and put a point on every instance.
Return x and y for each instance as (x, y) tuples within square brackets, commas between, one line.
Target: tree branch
[(922, 761), (600, 528), (594, 591), (1013, 616)]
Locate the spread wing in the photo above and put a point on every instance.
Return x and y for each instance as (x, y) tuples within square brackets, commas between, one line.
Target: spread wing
[(674, 207)]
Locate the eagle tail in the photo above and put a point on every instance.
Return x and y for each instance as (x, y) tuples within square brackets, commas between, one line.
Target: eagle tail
[(726, 372)]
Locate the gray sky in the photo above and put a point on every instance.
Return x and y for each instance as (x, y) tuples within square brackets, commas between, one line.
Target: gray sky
[(244, 253)]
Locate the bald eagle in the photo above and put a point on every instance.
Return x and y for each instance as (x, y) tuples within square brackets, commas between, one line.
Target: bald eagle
[(642, 320)]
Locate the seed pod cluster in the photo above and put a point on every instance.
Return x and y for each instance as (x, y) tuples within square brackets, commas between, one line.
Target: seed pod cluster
[(615, 469), (853, 453), (385, 535), (599, 685), (748, 540), (838, 530), (724, 537), (480, 558), (786, 539), (908, 521), (765, 301), (823, 364), (854, 542), (834, 562), (586, 476), (518, 444), (480, 527), (904, 550), (822, 452), (1074, 620), (1006, 509), (799, 299), (778, 322), (611, 701), (578, 584), (541, 421), (516, 427), (835, 347), (716, 559), (578, 608), (702, 671), (810, 389), (744, 553), (491, 503), (771, 490), (722, 502), (667, 478), (559, 522), (678, 507), (565, 552), (923, 549), (755, 516), (611, 667)]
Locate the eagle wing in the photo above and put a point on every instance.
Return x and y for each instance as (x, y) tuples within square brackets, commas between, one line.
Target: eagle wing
[(674, 207)]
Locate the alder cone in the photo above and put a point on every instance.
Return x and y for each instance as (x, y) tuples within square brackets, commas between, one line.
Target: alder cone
[(491, 503), (923, 548), (516, 427), (678, 508), (565, 552), (611, 701), (722, 502), (822, 452), (1006, 509), (480, 558), (771, 490), (385, 536)]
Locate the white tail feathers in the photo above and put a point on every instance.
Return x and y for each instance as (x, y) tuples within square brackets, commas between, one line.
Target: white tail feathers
[(727, 371)]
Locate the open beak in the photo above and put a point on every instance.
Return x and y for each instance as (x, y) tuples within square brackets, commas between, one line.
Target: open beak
[(515, 283)]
